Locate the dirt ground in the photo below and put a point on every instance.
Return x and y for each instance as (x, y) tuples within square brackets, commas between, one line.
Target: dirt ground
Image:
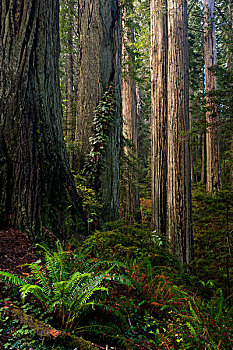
[(15, 250)]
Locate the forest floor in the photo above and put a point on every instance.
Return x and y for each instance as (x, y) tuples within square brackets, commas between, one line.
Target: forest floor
[(15, 251)]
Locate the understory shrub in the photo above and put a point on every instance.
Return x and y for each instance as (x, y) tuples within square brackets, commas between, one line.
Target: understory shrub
[(63, 284), (123, 288)]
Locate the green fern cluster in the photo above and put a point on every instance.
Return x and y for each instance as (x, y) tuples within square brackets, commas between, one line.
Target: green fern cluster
[(61, 287)]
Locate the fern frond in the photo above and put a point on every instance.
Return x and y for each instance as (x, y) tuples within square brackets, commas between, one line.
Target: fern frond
[(40, 276), (82, 299), (7, 276), (35, 290)]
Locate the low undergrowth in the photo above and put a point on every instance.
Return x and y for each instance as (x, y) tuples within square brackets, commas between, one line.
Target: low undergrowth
[(213, 228), (123, 288)]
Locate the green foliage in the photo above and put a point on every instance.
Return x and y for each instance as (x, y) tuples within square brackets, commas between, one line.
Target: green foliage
[(60, 287), (13, 335), (206, 325), (123, 243), (145, 308), (91, 204), (103, 117), (212, 223)]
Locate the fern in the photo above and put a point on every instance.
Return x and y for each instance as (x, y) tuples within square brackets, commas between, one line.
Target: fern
[(64, 287), (7, 276)]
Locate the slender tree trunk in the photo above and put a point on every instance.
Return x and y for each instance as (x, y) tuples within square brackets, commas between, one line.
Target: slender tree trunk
[(159, 56), (203, 135), (203, 158), (179, 220), (99, 69), (130, 206), (36, 186), (138, 104), (213, 176)]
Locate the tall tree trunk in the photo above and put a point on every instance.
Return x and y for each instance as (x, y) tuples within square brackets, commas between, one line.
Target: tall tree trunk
[(213, 175), (203, 158), (36, 186), (159, 57), (138, 104), (70, 82), (231, 90), (171, 172), (130, 204), (203, 135), (99, 69), (179, 217)]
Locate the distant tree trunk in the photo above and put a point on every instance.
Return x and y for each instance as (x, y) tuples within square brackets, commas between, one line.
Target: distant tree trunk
[(213, 175), (159, 57), (179, 213), (36, 186), (130, 204), (203, 135), (203, 158), (138, 104), (193, 155), (100, 68)]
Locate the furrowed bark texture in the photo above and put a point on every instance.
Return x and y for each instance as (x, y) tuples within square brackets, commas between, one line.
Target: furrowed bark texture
[(70, 80), (213, 170), (230, 6), (179, 224), (36, 186), (99, 68), (159, 113), (129, 193), (171, 172)]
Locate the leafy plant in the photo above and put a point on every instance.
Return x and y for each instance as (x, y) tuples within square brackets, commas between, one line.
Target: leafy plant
[(207, 325), (60, 287), (13, 335), (90, 202), (104, 115)]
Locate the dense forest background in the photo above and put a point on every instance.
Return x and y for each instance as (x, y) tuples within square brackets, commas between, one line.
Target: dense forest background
[(116, 174)]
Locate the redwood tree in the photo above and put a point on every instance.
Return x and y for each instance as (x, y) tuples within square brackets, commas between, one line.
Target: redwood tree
[(100, 70), (36, 186), (159, 52), (179, 213), (130, 204), (213, 170), (171, 176)]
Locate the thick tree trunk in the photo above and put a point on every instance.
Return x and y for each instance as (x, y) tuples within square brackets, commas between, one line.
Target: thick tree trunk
[(99, 69), (36, 186), (159, 113), (179, 221), (213, 170), (231, 91), (130, 204), (171, 172), (70, 81)]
